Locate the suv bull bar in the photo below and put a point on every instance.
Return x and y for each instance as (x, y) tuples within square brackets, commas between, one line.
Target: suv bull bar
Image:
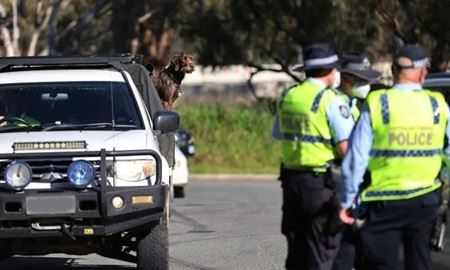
[(99, 218)]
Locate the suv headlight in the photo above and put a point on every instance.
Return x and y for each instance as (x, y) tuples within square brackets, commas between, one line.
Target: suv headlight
[(18, 174), (134, 170), (80, 173)]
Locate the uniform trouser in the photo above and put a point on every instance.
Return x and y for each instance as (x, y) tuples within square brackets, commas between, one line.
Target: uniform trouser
[(390, 224), (350, 255), (310, 218)]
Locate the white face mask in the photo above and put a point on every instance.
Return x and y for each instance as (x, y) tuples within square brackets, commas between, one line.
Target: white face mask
[(336, 80), (361, 91)]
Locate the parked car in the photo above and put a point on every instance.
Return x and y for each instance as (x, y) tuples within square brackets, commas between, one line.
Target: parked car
[(440, 82), (185, 141), (83, 169), (185, 148)]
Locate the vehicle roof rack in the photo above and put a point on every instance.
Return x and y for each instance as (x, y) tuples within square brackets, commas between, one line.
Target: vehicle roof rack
[(9, 63)]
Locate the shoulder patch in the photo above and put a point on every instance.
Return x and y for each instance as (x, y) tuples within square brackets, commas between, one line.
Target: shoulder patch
[(345, 111)]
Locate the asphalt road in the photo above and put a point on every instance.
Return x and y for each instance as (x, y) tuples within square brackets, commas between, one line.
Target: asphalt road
[(219, 225)]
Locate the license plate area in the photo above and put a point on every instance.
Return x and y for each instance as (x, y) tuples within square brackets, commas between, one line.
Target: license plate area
[(50, 204)]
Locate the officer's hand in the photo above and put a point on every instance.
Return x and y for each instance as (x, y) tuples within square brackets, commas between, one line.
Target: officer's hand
[(345, 216)]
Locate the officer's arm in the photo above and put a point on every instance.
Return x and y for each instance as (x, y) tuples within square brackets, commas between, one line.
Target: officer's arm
[(341, 124), (355, 163), (356, 160)]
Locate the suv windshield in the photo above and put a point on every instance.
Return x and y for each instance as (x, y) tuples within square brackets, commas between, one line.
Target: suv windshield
[(67, 105)]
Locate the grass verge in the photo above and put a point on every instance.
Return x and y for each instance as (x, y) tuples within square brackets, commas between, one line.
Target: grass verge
[(231, 138)]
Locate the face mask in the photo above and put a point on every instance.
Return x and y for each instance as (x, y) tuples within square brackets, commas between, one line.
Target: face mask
[(337, 80), (361, 91)]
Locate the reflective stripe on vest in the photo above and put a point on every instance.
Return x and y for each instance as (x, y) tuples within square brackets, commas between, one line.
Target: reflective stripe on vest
[(307, 140), (355, 112), (406, 153), (408, 137)]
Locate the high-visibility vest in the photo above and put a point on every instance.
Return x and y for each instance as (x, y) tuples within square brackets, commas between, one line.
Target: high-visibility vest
[(408, 140), (355, 112), (307, 140)]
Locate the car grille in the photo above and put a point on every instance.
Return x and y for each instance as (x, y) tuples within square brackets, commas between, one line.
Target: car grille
[(49, 171)]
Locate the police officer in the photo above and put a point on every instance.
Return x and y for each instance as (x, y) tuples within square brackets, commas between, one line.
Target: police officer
[(314, 124), (399, 139), (356, 77)]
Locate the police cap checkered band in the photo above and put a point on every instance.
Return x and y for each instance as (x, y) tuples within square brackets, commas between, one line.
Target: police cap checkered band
[(357, 66)]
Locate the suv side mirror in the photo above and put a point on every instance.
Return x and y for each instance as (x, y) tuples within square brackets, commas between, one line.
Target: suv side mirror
[(166, 121)]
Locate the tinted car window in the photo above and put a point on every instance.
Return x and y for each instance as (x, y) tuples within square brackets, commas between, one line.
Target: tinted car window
[(445, 90), (70, 103)]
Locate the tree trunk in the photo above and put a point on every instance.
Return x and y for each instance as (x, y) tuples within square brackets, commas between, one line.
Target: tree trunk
[(53, 22), (409, 31), (37, 32), (16, 30), (124, 23)]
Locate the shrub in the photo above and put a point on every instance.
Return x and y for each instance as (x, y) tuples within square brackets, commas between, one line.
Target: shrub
[(231, 138)]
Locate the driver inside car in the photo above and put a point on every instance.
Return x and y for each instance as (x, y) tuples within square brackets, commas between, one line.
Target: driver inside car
[(13, 113)]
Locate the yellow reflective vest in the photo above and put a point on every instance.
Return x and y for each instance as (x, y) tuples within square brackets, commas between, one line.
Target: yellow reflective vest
[(306, 136), (408, 140)]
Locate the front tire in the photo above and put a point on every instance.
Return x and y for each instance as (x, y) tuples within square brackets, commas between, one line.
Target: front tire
[(153, 249)]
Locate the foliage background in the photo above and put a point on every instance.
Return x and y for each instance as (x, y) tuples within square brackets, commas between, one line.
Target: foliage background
[(254, 33), (223, 32), (231, 138)]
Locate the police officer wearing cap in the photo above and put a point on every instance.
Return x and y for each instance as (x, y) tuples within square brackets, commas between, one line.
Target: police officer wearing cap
[(399, 139), (314, 125), (356, 77)]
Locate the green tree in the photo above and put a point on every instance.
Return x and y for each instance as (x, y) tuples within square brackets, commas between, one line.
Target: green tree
[(65, 27), (426, 22), (268, 31), (257, 32)]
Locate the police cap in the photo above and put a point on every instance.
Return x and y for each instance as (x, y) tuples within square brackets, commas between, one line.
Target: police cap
[(358, 64), (318, 56), (416, 54)]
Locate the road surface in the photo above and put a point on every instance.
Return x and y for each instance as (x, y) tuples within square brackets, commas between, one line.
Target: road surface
[(219, 225)]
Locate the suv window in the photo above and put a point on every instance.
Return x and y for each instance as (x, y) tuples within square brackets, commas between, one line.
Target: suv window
[(69, 105)]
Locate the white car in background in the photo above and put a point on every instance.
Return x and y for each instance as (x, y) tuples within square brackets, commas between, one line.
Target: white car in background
[(184, 148)]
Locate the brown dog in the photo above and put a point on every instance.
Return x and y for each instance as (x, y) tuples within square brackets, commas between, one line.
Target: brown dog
[(168, 80)]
